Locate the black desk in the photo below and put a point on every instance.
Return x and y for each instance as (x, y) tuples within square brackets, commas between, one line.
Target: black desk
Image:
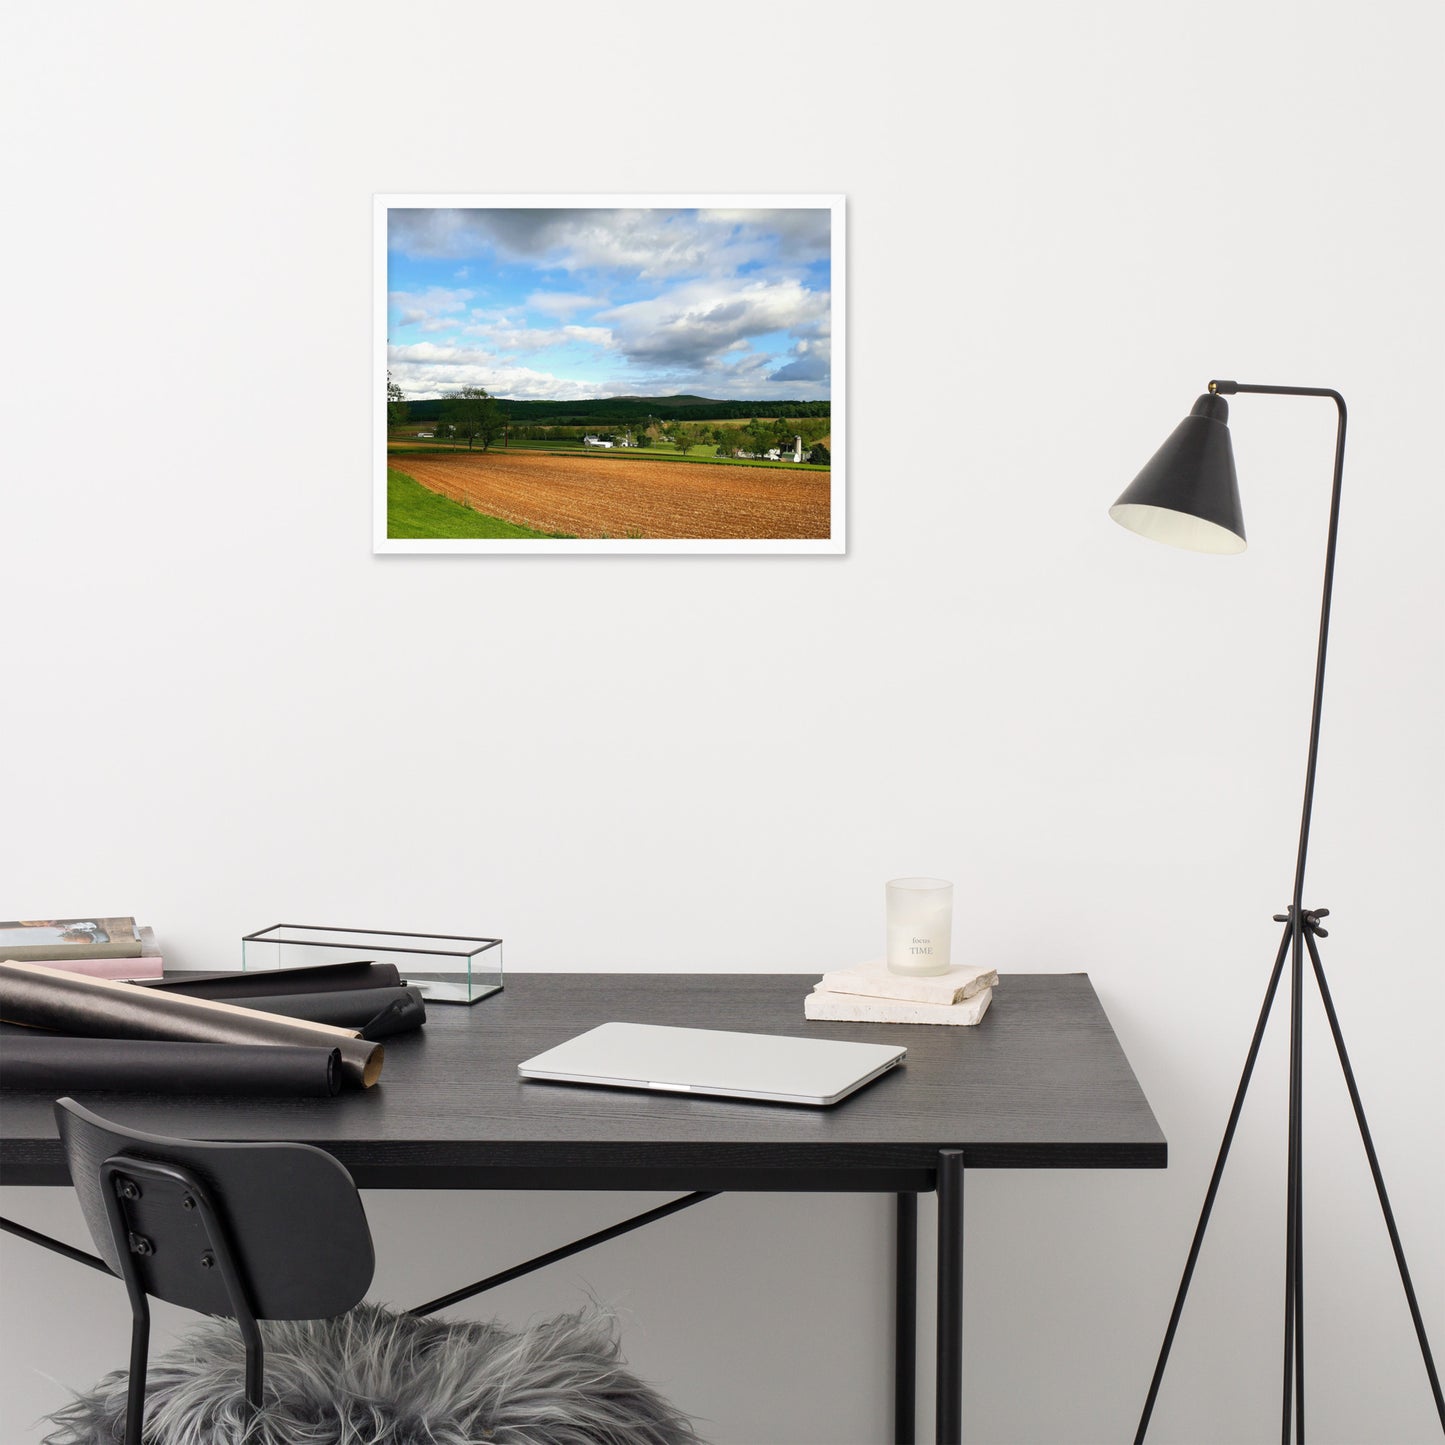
[(1041, 1083)]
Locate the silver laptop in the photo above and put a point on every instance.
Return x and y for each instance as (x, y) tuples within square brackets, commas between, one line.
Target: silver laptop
[(711, 1061)]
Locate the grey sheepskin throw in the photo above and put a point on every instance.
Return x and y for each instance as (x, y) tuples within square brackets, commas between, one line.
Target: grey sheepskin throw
[(371, 1377)]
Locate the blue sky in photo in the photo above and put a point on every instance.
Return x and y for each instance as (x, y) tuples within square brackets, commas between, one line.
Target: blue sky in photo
[(556, 304)]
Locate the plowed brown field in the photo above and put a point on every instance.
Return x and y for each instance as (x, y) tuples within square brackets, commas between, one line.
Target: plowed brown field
[(625, 496)]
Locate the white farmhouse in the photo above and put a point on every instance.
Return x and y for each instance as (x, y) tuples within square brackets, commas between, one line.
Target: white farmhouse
[(775, 454), (595, 442)]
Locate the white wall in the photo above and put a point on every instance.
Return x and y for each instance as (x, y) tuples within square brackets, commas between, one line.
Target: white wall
[(1063, 220)]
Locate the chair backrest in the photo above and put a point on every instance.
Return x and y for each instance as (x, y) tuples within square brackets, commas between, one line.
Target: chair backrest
[(285, 1218)]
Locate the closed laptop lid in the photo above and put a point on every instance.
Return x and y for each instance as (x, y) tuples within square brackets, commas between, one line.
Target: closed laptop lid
[(714, 1061)]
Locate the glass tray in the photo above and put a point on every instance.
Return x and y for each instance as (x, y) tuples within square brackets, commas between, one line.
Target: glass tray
[(448, 968)]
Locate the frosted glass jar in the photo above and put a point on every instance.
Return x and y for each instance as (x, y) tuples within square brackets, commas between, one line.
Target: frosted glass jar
[(920, 926)]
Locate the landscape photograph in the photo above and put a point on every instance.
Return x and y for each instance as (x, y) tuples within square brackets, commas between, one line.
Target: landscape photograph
[(609, 374)]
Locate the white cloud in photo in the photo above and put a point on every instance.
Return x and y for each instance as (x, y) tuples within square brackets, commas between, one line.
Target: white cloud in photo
[(812, 361), (692, 323), (803, 234), (571, 302), (425, 370), (430, 309), (507, 335), (563, 303), (640, 242)]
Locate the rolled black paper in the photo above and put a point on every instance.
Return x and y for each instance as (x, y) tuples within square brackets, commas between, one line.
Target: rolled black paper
[(102, 1008), (56, 1065), (271, 982), (351, 1008)]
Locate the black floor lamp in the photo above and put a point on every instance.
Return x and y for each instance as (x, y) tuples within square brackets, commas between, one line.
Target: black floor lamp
[(1187, 496)]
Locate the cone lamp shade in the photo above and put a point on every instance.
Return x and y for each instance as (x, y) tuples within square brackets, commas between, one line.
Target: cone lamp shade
[(1188, 495)]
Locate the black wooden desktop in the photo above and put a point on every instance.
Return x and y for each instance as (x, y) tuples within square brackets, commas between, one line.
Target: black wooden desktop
[(1041, 1083)]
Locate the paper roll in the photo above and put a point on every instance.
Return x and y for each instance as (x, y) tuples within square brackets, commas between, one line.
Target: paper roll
[(101, 1008), (270, 982), (349, 1008), (55, 1064)]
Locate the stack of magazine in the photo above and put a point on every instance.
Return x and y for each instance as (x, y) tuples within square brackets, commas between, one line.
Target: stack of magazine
[(870, 993), (96, 947)]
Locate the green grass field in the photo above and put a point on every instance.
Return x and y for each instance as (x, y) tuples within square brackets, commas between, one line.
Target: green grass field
[(413, 511)]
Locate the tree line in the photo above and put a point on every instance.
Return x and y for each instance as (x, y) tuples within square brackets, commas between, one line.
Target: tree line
[(757, 438), (760, 436), (472, 414), (615, 410)]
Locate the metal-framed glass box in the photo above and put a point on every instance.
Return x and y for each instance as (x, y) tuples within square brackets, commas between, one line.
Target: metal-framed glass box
[(448, 968)]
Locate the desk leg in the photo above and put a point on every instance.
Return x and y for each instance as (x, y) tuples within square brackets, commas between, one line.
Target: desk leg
[(950, 1298), (905, 1321)]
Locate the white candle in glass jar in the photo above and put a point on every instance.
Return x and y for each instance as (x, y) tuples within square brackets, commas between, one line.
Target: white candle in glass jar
[(920, 925)]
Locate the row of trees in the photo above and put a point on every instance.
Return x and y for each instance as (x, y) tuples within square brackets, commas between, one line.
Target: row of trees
[(757, 438), (472, 413), (636, 435), (613, 413)]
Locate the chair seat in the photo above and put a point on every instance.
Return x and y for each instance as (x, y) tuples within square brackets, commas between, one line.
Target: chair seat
[(372, 1377)]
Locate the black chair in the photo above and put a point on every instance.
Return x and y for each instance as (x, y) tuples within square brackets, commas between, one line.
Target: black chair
[(247, 1231), (277, 1232)]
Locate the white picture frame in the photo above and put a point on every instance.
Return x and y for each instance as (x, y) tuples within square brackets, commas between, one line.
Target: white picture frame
[(835, 543)]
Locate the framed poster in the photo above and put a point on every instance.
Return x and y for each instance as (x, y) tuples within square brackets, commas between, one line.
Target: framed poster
[(630, 374)]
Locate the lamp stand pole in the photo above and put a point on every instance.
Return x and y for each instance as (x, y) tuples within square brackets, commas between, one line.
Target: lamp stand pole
[(1302, 928)]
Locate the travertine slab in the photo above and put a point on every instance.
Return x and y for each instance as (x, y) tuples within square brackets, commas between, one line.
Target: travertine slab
[(854, 1008), (873, 980)]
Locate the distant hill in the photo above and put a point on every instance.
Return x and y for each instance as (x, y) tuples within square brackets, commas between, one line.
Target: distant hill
[(598, 411)]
